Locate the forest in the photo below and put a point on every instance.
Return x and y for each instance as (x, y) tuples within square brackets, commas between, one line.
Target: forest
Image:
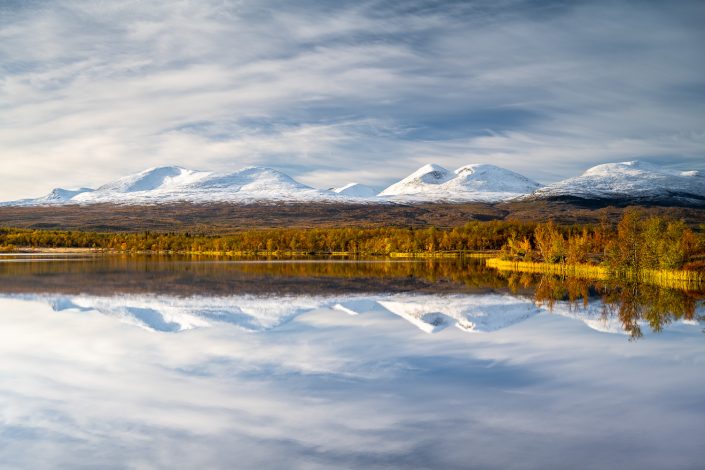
[(637, 241), (473, 236)]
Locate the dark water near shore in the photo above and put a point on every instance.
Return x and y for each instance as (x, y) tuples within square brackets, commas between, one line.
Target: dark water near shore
[(167, 362)]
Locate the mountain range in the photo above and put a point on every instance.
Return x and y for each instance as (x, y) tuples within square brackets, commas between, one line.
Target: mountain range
[(626, 181)]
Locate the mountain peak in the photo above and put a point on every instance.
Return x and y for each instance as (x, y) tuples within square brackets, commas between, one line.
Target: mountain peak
[(474, 182), (634, 166), (355, 190), (631, 181), (476, 167), (430, 173), (484, 177), (637, 168), (61, 194)]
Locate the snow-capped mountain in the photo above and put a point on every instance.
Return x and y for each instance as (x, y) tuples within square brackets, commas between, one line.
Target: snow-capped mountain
[(356, 190), (171, 184), (630, 181), (479, 182), (252, 184), (56, 196), (624, 182), (174, 184)]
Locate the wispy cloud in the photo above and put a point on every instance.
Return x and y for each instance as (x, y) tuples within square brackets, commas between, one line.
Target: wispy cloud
[(328, 92)]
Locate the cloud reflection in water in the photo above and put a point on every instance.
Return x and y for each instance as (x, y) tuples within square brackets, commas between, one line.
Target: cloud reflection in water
[(326, 389)]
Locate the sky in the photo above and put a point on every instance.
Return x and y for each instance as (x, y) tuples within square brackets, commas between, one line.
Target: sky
[(331, 92)]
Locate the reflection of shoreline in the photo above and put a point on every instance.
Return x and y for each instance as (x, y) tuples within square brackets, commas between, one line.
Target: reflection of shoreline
[(48, 251), (634, 305), (182, 277), (675, 279), (181, 280), (481, 313)]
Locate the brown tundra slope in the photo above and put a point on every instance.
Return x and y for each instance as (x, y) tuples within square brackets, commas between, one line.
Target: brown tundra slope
[(226, 217)]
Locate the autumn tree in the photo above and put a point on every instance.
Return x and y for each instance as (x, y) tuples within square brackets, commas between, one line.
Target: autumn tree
[(550, 242)]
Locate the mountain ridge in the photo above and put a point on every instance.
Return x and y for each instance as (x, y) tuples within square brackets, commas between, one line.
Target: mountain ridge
[(636, 181)]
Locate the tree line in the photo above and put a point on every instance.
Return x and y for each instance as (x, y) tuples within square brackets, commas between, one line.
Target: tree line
[(636, 242), (473, 236)]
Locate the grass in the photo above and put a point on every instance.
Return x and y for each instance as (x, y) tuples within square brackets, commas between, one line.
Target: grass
[(576, 270), (679, 279), (672, 278)]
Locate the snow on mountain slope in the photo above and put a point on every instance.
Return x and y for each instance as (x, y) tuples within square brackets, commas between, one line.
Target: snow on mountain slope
[(62, 195), (176, 184), (355, 190), (171, 184), (56, 196), (155, 178), (626, 181), (490, 178), (420, 181), (478, 182), (630, 181)]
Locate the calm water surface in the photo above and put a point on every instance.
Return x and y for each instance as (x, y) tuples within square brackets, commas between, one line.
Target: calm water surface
[(129, 362)]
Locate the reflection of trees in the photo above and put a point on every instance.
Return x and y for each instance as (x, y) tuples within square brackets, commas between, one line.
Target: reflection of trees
[(224, 276), (632, 302), (549, 289), (518, 280), (656, 306)]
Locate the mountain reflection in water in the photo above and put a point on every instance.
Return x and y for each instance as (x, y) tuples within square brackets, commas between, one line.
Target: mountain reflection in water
[(317, 364), (172, 294)]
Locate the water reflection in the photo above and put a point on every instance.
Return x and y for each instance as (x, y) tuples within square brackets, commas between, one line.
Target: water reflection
[(330, 365), (172, 294), (635, 305), (208, 276)]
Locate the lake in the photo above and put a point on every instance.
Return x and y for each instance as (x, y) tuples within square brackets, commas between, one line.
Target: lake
[(172, 362)]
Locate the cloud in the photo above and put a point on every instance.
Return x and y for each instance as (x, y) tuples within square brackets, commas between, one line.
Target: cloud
[(329, 93)]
